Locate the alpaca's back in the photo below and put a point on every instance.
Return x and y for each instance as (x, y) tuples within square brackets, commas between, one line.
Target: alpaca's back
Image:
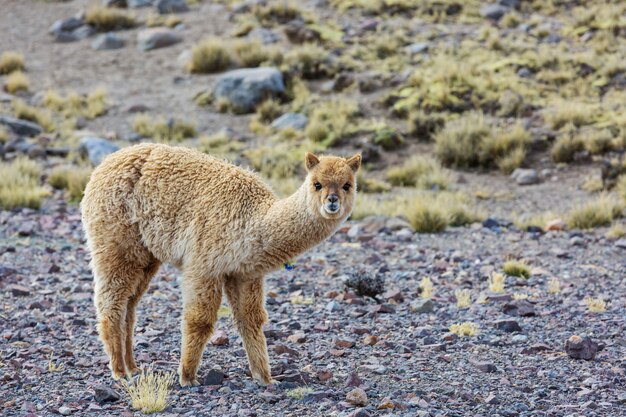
[(178, 202)]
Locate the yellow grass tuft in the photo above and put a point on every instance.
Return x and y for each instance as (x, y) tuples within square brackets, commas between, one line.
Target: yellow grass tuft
[(40, 116), (209, 56), (515, 268), (54, 366), (19, 184), (149, 392), (11, 61), (72, 179), (299, 393), (463, 298), (496, 283), (595, 305), (482, 298), (617, 231), (15, 82), (465, 329), (253, 54), (520, 296), (163, 131), (596, 213), (105, 19), (420, 171), (554, 286), (301, 300), (427, 287)]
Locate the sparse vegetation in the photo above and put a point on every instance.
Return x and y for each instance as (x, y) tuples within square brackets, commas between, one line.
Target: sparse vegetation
[(11, 61), (595, 305), (463, 298), (20, 184), (426, 286), (299, 393), (554, 286), (596, 213), (163, 131), (25, 112), (15, 82), (149, 392), (72, 179), (465, 329), (253, 54), (106, 19), (422, 172), (209, 56), (515, 268), (617, 231), (331, 121), (496, 283)]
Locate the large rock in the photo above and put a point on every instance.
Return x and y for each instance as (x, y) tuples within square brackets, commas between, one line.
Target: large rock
[(107, 41), (578, 347), (295, 121), (154, 38), (493, 11), (21, 127), (103, 394), (171, 6), (525, 176), (245, 88), (96, 149), (65, 25)]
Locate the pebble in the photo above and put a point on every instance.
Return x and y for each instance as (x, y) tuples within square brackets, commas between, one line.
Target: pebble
[(357, 397), (422, 306), (219, 338), (214, 377), (295, 121), (103, 394), (65, 411), (107, 41), (525, 176), (154, 38), (578, 347), (508, 326)]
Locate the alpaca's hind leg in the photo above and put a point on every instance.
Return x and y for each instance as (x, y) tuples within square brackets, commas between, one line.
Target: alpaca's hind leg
[(148, 273), (247, 300), (201, 300)]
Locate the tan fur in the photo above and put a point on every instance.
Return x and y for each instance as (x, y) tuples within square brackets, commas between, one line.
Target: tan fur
[(220, 224)]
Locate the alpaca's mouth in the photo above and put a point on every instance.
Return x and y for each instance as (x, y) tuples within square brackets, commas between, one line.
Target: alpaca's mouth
[(331, 210)]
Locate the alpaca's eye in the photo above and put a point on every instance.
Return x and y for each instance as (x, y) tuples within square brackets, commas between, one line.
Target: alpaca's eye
[(346, 187), (318, 186)]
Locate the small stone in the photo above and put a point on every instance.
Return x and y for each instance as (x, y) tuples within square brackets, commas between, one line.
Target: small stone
[(581, 348), (536, 348), (107, 41), (219, 338), (422, 306), (245, 88), (491, 399), (65, 25), (96, 149), (324, 375), (386, 404), (525, 176), (519, 339), (19, 291), (521, 308), (508, 326), (393, 294), (65, 411), (620, 243), (214, 377), (483, 366), (357, 397), (353, 380), (344, 343), (135, 4), (370, 340), (103, 394), (524, 73), (21, 127), (383, 309), (281, 349), (556, 225), (493, 11), (417, 48), (295, 121), (359, 412), (333, 306), (298, 337), (171, 6), (154, 38)]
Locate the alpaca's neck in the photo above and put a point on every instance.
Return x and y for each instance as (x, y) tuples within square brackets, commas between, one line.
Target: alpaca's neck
[(290, 227)]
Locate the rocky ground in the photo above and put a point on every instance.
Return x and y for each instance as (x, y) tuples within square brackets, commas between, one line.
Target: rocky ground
[(322, 336), (335, 352)]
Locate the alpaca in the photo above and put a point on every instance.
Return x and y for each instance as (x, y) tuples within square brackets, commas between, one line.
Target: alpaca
[(220, 224)]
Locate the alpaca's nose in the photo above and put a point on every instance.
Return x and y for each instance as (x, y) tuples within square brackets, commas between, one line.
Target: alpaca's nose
[(333, 198)]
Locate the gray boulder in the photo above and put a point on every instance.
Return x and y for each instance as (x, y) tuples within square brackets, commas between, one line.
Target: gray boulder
[(107, 41), (171, 6), (493, 11), (154, 38), (295, 121), (65, 25), (21, 127), (83, 32), (96, 149), (135, 4), (247, 87), (525, 176)]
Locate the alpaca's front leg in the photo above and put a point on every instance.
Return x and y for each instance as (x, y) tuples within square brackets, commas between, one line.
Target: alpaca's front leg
[(201, 301), (247, 300)]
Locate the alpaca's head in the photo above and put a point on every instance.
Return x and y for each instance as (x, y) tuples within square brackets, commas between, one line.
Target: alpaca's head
[(331, 184)]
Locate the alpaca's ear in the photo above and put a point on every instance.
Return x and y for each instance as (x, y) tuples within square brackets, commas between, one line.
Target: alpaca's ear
[(310, 161), (355, 162)]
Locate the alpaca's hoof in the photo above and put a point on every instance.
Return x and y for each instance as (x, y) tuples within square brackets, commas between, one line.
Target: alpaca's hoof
[(134, 371), (263, 380), (184, 382), (116, 375)]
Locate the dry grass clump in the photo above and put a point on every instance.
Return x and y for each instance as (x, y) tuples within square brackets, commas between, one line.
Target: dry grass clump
[(470, 141), (424, 125), (19, 184), (617, 231), (299, 393), (276, 12), (90, 105), (388, 137), (40, 116), (209, 56), (331, 121), (426, 286), (463, 298), (370, 185), (554, 286), (595, 305), (254, 53), (72, 179), (268, 111), (149, 392), (420, 171), (163, 131), (309, 61), (11, 61), (566, 112), (596, 213), (169, 21), (465, 329), (496, 283), (433, 213), (106, 19), (4, 134), (278, 161), (566, 147), (597, 141), (220, 144), (516, 268), (15, 82)]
